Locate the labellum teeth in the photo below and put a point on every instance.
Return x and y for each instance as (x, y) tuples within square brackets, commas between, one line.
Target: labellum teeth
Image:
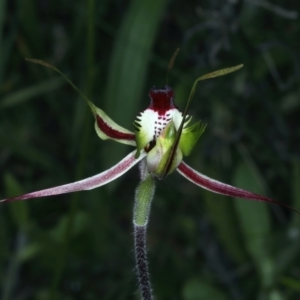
[(150, 123)]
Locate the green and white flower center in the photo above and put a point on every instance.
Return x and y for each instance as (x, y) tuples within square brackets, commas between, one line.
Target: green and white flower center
[(152, 121), (150, 124)]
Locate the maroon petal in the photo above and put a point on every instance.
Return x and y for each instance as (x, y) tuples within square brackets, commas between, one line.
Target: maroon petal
[(86, 184), (222, 188), (111, 132)]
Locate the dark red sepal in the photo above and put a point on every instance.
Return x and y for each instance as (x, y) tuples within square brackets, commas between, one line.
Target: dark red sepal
[(162, 100)]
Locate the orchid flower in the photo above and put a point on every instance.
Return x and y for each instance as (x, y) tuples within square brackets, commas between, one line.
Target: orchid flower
[(162, 137)]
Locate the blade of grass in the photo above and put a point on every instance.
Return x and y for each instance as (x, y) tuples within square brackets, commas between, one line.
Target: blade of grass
[(296, 190), (31, 25), (84, 148), (29, 93), (20, 216), (255, 223), (224, 221), (26, 151), (6, 50), (291, 250), (96, 203), (199, 289), (2, 15)]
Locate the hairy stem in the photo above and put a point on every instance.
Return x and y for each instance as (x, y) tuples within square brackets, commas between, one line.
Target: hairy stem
[(143, 198), (141, 261)]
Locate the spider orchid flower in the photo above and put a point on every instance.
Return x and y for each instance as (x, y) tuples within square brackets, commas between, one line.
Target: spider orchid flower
[(162, 137)]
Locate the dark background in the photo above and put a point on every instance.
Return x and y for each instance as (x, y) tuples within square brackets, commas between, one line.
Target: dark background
[(201, 245)]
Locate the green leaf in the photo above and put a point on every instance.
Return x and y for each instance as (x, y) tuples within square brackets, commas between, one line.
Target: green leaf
[(255, 223), (81, 221), (296, 190), (30, 23), (198, 289), (221, 212), (2, 17), (28, 252), (291, 283)]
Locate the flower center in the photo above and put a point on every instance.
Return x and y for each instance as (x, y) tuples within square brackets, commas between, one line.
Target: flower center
[(151, 122)]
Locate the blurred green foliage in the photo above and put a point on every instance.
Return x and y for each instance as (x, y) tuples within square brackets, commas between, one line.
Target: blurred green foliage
[(201, 245)]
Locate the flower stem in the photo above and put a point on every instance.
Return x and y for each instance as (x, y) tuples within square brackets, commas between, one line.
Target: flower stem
[(143, 198), (141, 261)]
